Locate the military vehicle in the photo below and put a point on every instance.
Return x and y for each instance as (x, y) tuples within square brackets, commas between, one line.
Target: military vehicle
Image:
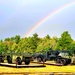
[(63, 58), (60, 57), (18, 59)]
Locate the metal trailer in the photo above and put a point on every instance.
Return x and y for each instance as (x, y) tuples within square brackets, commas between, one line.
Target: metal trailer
[(19, 58)]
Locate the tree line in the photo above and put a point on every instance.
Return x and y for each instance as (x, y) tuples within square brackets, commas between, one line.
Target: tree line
[(36, 44)]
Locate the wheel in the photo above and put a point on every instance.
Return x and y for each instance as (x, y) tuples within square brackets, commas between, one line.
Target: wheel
[(63, 62), (1, 59), (18, 60), (68, 61), (39, 59), (9, 59), (27, 61), (57, 60)]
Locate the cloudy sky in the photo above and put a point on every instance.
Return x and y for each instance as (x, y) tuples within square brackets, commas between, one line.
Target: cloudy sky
[(22, 17)]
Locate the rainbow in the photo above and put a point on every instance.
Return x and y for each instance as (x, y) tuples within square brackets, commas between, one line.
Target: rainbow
[(48, 17)]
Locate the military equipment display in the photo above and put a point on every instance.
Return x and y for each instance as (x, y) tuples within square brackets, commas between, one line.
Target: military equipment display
[(60, 57), (19, 58)]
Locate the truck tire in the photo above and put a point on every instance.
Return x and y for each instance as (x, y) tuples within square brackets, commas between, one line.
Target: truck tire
[(63, 62), (68, 61), (27, 61), (9, 59), (57, 60), (18, 61), (1, 59)]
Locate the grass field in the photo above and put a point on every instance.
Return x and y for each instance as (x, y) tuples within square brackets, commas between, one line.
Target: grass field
[(48, 68), (34, 71)]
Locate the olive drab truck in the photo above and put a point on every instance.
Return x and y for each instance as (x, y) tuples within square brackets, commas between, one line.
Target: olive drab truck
[(16, 58)]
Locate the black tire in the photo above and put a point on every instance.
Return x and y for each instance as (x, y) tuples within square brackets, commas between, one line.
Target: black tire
[(57, 61), (18, 61), (68, 61), (50, 58), (63, 62), (1, 59), (27, 61), (40, 58), (9, 59)]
